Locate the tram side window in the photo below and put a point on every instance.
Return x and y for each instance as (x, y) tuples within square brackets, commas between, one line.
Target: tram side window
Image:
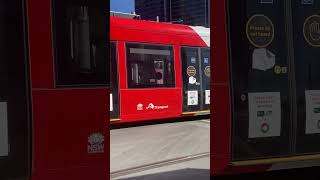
[(150, 66), (80, 44)]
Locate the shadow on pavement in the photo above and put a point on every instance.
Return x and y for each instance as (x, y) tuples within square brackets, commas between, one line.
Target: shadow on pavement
[(184, 174), (300, 174)]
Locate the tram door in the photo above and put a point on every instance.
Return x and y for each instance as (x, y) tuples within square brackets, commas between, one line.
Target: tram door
[(114, 80), (14, 108), (306, 41), (196, 79), (259, 65), (275, 78)]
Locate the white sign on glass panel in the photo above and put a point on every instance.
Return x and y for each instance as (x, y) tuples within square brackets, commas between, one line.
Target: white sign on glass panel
[(207, 92), (313, 112), (264, 114), (193, 98)]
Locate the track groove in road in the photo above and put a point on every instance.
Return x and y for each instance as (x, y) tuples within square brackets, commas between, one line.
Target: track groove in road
[(160, 164), (163, 150)]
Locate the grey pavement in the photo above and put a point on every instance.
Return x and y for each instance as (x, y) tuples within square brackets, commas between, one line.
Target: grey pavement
[(139, 146), (193, 170)]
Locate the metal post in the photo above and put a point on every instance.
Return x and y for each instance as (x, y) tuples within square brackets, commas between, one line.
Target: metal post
[(209, 13), (170, 10), (165, 10), (291, 74)]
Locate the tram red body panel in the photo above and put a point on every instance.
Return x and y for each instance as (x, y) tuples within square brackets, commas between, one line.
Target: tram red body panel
[(153, 32), (220, 133), (64, 133), (40, 37), (139, 31), (163, 98), (63, 118)]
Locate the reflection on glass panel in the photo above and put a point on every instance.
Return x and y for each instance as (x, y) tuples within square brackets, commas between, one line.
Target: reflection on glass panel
[(80, 48)]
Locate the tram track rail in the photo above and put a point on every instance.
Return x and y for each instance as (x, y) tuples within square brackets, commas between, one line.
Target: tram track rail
[(160, 164), (122, 125)]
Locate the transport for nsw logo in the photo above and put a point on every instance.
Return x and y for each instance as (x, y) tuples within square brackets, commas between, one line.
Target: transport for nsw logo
[(140, 107), (96, 143), (151, 106)]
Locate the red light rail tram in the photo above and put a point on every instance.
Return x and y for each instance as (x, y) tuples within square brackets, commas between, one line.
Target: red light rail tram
[(158, 70)]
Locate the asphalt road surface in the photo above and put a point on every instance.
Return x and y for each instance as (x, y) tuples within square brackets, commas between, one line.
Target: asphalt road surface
[(177, 151)]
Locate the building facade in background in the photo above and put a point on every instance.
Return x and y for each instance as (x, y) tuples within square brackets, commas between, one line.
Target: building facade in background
[(190, 12)]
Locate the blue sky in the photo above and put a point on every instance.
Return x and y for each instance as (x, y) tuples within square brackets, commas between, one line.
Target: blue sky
[(122, 5)]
